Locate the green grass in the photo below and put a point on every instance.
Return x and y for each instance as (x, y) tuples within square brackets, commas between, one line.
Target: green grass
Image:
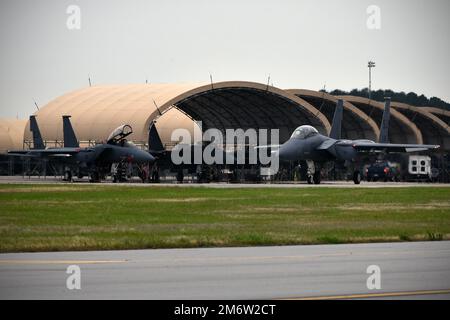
[(85, 217)]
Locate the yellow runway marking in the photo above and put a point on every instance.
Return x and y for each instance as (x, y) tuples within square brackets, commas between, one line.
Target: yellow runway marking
[(43, 262), (374, 295)]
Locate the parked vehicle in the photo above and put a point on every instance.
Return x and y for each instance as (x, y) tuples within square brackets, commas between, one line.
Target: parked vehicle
[(419, 168), (383, 171)]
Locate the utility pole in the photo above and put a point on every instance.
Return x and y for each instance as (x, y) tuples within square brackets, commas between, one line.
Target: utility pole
[(371, 65)]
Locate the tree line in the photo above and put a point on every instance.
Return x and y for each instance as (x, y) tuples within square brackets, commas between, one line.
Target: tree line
[(411, 98)]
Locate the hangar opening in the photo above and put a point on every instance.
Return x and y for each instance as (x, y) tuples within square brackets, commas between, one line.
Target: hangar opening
[(443, 115), (245, 108), (355, 124), (401, 130), (434, 130)]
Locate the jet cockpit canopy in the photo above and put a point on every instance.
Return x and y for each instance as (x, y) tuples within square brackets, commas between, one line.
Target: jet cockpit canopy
[(304, 132), (120, 133)]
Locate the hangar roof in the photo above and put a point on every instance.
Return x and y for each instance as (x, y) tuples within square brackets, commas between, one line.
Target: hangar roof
[(355, 125), (434, 130), (402, 130), (444, 115), (97, 110), (11, 134)]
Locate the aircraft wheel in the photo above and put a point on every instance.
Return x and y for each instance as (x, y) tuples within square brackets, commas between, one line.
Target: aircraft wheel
[(357, 177), (316, 177), (67, 176), (180, 176), (310, 179), (95, 177)]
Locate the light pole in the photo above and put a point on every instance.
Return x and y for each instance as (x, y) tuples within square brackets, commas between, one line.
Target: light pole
[(371, 65)]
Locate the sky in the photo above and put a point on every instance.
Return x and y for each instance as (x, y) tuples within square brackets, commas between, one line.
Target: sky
[(299, 44)]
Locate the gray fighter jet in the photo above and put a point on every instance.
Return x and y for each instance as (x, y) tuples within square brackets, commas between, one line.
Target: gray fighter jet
[(95, 161), (307, 144)]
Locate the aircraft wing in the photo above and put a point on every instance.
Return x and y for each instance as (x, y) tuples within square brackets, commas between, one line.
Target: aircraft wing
[(391, 147)]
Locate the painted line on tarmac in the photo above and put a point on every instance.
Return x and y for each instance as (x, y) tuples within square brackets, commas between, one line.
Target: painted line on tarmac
[(303, 257), (46, 262), (373, 295)]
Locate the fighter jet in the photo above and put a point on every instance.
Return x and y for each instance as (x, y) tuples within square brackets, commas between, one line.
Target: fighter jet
[(96, 161), (307, 144)]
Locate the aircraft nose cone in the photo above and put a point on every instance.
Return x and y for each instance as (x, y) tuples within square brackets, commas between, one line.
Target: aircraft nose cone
[(289, 151), (143, 156), (283, 153)]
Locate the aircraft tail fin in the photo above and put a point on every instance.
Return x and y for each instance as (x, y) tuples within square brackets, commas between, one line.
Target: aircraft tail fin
[(154, 141), (336, 126), (384, 129), (38, 143), (70, 139)]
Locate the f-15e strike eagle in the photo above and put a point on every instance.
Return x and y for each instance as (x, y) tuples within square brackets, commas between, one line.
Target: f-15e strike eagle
[(307, 144), (95, 161)]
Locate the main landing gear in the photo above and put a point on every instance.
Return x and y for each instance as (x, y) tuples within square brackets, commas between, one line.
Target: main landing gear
[(313, 173), (357, 177), (314, 170), (94, 177), (67, 174), (120, 171)]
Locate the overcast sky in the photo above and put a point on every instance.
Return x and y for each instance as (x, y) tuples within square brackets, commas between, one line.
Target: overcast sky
[(301, 44)]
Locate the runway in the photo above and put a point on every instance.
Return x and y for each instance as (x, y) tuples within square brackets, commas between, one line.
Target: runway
[(222, 185), (408, 270)]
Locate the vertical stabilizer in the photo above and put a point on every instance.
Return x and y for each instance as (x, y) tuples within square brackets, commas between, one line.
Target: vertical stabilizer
[(154, 141), (336, 126), (384, 129), (38, 143), (70, 139)]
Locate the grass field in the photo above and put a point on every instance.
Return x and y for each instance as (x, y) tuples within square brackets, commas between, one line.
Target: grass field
[(84, 217)]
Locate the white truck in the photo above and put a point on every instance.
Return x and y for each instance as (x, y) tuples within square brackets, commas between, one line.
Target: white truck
[(419, 168)]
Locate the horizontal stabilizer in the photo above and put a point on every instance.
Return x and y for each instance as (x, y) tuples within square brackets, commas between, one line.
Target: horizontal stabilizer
[(393, 147), (20, 154), (51, 152), (274, 146)]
